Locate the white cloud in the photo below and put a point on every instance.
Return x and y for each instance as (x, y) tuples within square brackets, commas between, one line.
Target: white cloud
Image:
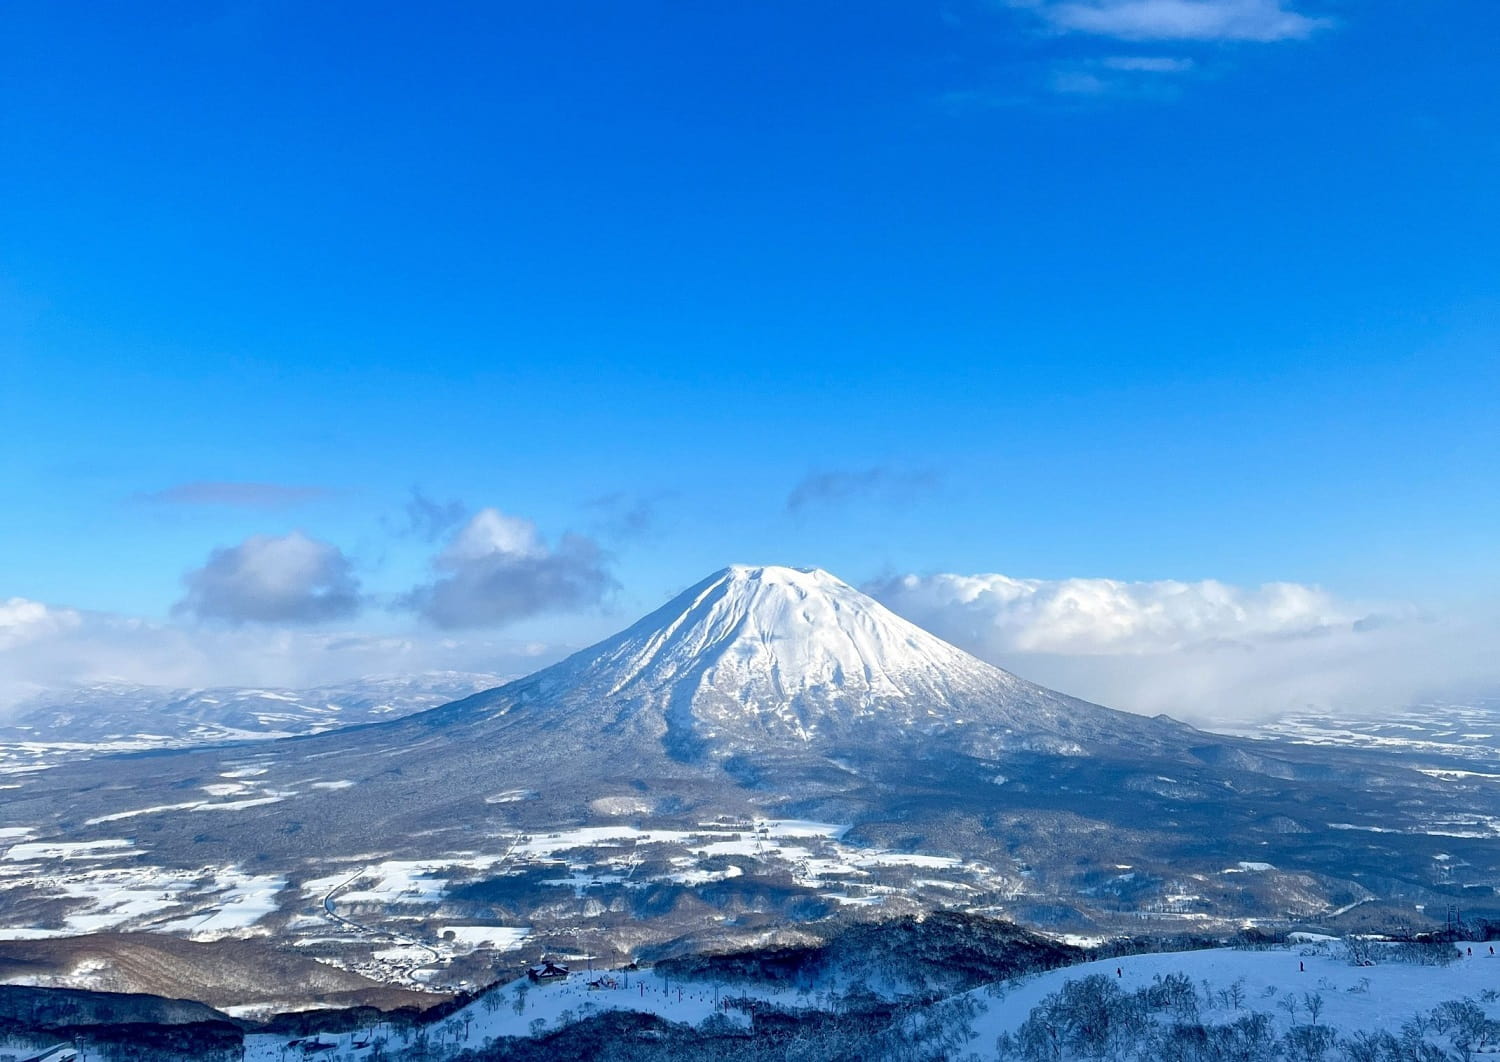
[(1148, 64), (1109, 616), (1204, 651), (1179, 20), (273, 579), (1072, 82), (23, 621), (497, 570), (1140, 76)]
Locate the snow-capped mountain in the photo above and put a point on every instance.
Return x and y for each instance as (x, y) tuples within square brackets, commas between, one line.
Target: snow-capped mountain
[(753, 657)]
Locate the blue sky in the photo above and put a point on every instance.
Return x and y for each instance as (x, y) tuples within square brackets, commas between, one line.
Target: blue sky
[(1132, 289)]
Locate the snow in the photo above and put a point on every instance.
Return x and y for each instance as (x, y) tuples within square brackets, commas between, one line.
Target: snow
[(1355, 998), (219, 789), (244, 900), (118, 815), (502, 938), (403, 881), (69, 850), (1372, 998), (208, 902), (794, 650), (28, 933), (511, 796), (244, 772), (239, 805)]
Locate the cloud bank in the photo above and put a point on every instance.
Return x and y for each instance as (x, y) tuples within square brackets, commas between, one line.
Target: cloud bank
[(1206, 652), (45, 647), (273, 579), (497, 570)]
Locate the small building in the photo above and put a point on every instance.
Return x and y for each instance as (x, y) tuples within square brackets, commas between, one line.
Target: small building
[(547, 973)]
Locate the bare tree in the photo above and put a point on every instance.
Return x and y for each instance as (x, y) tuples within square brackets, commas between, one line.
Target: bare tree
[(1313, 1001), (1236, 993), (1289, 1004)]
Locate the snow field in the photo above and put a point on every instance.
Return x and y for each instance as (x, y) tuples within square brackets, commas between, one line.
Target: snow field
[(1355, 998)]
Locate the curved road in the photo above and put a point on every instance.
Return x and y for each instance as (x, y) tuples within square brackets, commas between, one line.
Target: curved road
[(405, 971)]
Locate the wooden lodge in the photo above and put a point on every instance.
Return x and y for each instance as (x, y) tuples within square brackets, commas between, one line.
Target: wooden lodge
[(547, 973)]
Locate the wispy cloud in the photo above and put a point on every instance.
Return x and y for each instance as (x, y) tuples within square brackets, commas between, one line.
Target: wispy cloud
[(1147, 64), (428, 519), (623, 516), (273, 579), (1176, 36), (497, 570), (236, 495), (1204, 651), (1148, 77), (1177, 20), (846, 485)]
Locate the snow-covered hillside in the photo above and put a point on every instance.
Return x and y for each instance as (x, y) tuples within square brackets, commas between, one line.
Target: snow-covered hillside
[(1311, 984), (1310, 999)]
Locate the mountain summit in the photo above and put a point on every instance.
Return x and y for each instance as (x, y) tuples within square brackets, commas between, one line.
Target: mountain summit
[(769, 639)]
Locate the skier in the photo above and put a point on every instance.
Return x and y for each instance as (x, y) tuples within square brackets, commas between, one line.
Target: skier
[(1119, 972), (1301, 966)]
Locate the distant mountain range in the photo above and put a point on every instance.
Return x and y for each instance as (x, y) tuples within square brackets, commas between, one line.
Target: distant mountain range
[(115, 717), (771, 746)]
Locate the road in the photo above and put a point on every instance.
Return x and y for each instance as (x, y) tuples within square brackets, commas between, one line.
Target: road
[(404, 971)]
